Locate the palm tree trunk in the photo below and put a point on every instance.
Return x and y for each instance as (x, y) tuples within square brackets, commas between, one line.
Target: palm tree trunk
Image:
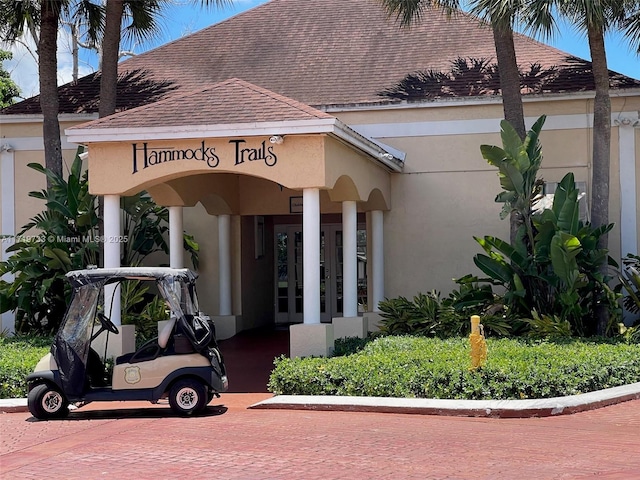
[(601, 151), (110, 50), (48, 73), (509, 78), (511, 96)]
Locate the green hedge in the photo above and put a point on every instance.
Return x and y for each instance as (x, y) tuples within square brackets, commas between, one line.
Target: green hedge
[(18, 357), (434, 368)]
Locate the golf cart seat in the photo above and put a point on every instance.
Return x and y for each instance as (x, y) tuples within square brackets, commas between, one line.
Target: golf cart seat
[(152, 348), (168, 342)]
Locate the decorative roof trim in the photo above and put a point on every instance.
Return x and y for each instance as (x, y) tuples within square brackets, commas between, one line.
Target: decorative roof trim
[(390, 158), (38, 118), (478, 100)]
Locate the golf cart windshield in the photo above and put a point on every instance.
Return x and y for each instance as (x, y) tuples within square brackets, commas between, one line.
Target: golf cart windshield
[(71, 345), (180, 295)]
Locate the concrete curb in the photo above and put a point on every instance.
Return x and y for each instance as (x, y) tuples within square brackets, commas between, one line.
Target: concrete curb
[(13, 405), (545, 407), (468, 408)]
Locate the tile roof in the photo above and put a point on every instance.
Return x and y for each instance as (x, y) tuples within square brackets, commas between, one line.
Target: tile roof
[(319, 52), (233, 101)]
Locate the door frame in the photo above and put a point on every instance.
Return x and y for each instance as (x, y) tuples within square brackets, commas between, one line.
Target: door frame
[(330, 262)]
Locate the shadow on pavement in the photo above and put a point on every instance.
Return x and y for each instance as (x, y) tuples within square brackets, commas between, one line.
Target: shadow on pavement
[(141, 412), (249, 355)]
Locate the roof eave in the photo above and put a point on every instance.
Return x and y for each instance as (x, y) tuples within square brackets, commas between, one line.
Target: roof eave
[(392, 160), (285, 127)]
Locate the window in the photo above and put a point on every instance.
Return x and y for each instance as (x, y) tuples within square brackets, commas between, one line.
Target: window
[(549, 192)]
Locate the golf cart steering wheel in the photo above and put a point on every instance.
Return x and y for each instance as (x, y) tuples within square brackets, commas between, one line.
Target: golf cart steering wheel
[(107, 324)]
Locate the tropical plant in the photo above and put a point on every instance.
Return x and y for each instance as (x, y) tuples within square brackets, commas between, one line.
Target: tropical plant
[(145, 226), (630, 280), (595, 18), (39, 292), (66, 238), (142, 309), (430, 316), (554, 267)]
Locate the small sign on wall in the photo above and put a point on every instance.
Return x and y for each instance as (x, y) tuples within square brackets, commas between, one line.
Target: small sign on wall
[(295, 204)]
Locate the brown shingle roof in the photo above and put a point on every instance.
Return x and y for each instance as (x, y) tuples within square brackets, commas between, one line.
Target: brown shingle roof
[(319, 52), (233, 101)]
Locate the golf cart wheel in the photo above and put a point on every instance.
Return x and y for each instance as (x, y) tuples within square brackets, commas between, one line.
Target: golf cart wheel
[(47, 402), (188, 396)]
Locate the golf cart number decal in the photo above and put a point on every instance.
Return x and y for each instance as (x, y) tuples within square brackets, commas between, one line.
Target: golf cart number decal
[(132, 375)]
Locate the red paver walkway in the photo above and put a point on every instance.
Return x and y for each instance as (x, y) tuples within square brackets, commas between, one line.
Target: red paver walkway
[(123, 441)]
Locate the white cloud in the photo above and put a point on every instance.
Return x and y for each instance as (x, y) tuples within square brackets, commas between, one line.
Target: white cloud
[(23, 68)]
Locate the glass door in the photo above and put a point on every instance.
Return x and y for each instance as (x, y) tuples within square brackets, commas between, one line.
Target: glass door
[(289, 278)]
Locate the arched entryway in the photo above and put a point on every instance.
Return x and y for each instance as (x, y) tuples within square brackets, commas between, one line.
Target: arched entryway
[(298, 167)]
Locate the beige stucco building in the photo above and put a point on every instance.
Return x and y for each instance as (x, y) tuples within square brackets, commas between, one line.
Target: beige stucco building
[(289, 141)]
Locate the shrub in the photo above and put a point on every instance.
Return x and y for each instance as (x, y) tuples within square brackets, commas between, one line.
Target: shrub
[(432, 368), (18, 357), (428, 315)]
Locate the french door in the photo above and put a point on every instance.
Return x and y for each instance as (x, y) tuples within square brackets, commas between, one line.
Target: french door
[(289, 277)]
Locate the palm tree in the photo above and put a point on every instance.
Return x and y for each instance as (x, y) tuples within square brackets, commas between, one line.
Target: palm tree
[(501, 15), (42, 19), (143, 25), (595, 18), (143, 15), (41, 16)]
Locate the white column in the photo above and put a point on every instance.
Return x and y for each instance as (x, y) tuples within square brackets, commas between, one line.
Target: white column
[(377, 258), (176, 242), (224, 263), (311, 255), (8, 201), (111, 249), (628, 192), (349, 259)]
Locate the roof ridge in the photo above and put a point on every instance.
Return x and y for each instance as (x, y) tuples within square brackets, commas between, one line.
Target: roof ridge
[(303, 107)]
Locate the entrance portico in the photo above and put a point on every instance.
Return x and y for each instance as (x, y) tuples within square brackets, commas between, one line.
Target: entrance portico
[(242, 153)]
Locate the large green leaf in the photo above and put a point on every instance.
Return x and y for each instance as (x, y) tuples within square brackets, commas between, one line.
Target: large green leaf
[(532, 144), (498, 270), (493, 154), (564, 249), (59, 258)]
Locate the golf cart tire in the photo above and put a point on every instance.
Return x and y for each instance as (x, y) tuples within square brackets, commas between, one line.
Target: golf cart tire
[(188, 396), (46, 402)]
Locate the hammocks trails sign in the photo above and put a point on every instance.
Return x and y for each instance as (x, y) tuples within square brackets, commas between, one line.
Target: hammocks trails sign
[(145, 156)]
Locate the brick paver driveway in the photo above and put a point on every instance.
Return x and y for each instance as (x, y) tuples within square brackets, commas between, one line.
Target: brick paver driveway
[(123, 441)]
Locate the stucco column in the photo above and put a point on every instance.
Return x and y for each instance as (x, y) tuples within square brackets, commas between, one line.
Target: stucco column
[(628, 192), (377, 257), (176, 242), (311, 255), (8, 205), (349, 259), (224, 263), (111, 250)]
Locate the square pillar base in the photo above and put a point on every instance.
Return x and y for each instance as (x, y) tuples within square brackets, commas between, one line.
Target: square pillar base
[(373, 321), (226, 325), (350, 327), (308, 340), (123, 342)]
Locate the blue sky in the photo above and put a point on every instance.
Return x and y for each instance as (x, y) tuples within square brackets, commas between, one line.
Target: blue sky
[(180, 20)]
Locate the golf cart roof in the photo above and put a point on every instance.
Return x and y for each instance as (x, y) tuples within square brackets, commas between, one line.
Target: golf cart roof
[(107, 275)]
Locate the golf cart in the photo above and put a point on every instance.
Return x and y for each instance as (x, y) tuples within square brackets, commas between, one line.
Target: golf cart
[(183, 363)]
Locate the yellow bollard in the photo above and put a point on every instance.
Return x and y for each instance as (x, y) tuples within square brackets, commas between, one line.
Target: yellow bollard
[(478, 344)]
